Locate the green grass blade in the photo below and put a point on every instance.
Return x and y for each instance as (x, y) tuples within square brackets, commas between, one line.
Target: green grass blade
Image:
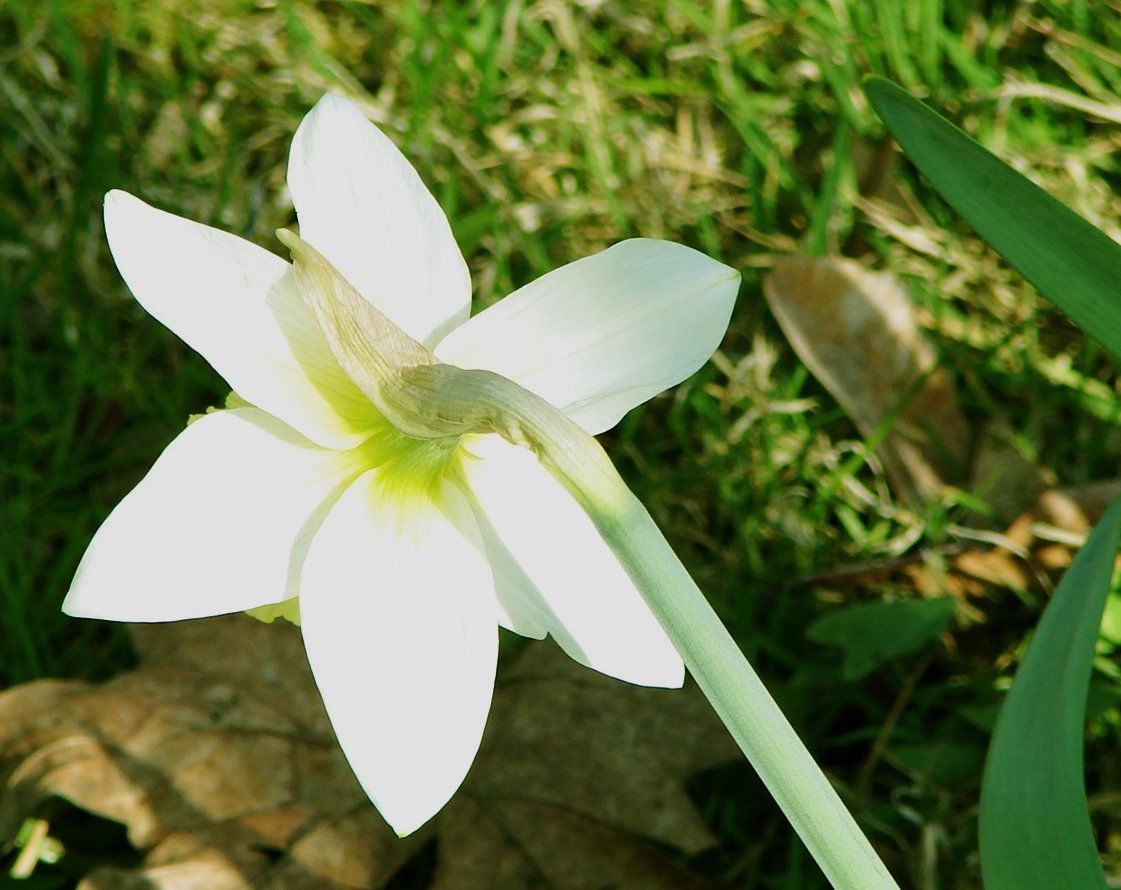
[(1074, 265), (1035, 827)]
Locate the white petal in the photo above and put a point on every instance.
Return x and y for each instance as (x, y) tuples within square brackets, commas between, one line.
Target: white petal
[(221, 523), (603, 334), (363, 206), (571, 579), (238, 306), (397, 611), (519, 606)]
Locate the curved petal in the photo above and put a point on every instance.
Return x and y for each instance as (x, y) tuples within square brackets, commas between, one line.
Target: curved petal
[(603, 334), (569, 577), (237, 305), (363, 206), (519, 608), (397, 611), (221, 523)]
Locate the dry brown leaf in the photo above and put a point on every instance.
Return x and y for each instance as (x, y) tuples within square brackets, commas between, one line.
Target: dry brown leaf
[(1040, 543), (1028, 556), (579, 778), (1003, 477), (217, 757), (856, 331)]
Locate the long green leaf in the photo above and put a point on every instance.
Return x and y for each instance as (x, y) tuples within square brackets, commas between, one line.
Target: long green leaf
[(1076, 266), (1035, 828)]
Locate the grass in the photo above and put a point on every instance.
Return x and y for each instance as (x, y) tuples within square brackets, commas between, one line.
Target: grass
[(548, 131)]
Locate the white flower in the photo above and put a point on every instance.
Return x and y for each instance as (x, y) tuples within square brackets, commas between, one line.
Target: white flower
[(406, 554)]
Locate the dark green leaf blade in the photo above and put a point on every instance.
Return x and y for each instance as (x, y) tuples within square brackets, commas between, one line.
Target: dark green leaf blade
[(1035, 827), (1073, 264)]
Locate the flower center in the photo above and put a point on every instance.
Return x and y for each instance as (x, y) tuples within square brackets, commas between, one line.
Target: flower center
[(409, 474), (409, 467)]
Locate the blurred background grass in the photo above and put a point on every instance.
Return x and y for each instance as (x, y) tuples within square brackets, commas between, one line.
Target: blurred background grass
[(549, 130)]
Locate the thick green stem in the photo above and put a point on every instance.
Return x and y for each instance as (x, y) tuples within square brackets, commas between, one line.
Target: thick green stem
[(711, 655), (742, 701)]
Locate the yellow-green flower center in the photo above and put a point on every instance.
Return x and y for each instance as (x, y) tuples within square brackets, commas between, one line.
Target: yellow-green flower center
[(408, 467), (409, 472)]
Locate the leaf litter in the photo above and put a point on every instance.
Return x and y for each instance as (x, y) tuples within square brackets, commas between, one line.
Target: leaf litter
[(216, 756), (859, 333)]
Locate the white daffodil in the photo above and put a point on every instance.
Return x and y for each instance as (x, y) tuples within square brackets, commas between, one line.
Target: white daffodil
[(399, 555)]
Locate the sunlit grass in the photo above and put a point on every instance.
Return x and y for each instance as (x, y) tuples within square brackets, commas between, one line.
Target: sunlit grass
[(547, 131)]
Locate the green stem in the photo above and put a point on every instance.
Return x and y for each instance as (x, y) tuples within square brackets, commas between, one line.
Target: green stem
[(723, 673), (742, 701)]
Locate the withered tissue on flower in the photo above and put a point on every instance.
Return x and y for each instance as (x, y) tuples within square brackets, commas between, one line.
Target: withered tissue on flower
[(399, 556)]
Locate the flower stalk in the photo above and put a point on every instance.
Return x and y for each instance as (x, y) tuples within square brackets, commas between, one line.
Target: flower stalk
[(734, 690), (457, 401)]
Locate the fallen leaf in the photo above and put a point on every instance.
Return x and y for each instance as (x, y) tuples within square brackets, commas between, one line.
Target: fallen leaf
[(216, 756), (580, 783), (856, 331), (1027, 557), (1042, 540), (1076, 508), (218, 759), (1003, 477)]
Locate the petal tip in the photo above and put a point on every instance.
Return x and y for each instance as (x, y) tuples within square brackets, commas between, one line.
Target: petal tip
[(336, 103), (82, 602), (70, 608), (403, 827), (76, 602), (118, 201)]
